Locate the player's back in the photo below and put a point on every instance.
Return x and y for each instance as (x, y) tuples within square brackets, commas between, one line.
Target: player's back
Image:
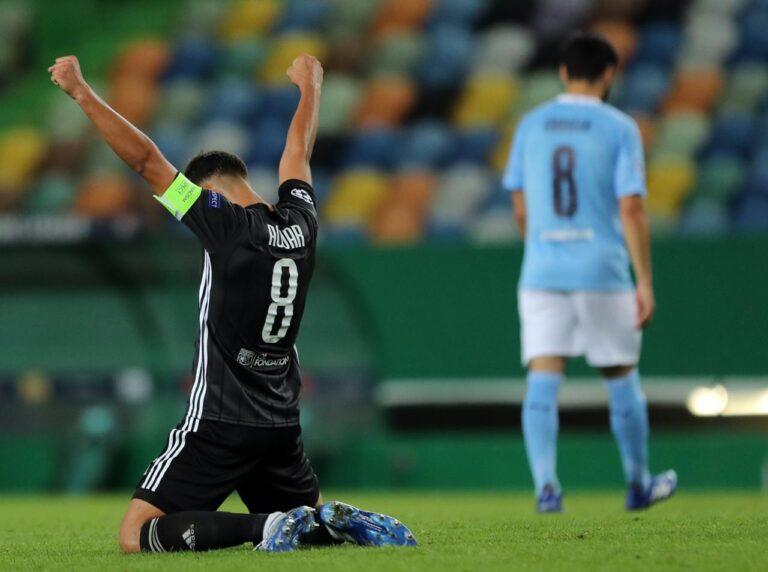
[(257, 265), (574, 157)]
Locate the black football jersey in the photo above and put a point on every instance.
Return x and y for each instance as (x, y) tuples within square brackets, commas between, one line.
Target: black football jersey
[(257, 265)]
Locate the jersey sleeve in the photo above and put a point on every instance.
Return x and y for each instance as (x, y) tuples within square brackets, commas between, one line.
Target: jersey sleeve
[(295, 193), (513, 174), (630, 165), (210, 216)]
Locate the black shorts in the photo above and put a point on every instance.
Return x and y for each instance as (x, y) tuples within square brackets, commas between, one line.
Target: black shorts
[(199, 469)]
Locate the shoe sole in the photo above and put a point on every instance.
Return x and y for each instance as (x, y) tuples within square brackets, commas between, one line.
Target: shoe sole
[(296, 523), (365, 528)]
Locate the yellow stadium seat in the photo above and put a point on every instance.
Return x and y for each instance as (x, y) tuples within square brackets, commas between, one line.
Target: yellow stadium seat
[(285, 49), (249, 19), (355, 196), (486, 101), (669, 182), (21, 150)]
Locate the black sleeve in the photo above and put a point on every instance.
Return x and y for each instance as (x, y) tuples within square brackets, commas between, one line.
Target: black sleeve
[(214, 220), (299, 194)]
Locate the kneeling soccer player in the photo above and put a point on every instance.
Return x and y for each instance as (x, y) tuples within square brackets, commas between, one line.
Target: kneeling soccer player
[(241, 430), (577, 178)]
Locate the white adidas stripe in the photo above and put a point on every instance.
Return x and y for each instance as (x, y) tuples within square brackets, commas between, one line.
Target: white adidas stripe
[(192, 420), (153, 537), (174, 436), (177, 438)]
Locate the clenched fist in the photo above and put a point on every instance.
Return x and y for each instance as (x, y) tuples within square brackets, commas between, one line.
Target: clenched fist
[(67, 75), (306, 72)]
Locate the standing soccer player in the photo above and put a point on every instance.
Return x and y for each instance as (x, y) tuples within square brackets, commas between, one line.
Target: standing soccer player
[(577, 177), (241, 430)]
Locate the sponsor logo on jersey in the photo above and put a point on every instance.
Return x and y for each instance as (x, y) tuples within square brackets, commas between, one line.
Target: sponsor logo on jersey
[(303, 195), (214, 200), (289, 238), (568, 234), (255, 360)]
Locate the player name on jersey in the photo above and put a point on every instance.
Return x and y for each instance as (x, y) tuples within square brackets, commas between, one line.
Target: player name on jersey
[(289, 238)]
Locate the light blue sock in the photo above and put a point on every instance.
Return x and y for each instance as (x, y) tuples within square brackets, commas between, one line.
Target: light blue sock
[(540, 424), (629, 423)]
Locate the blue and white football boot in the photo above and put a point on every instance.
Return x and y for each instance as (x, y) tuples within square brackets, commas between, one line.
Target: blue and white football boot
[(549, 501), (283, 529), (346, 522), (662, 487)]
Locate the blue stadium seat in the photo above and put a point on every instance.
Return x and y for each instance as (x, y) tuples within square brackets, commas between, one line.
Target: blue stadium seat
[(267, 142), (233, 99), (426, 144), (498, 198), (194, 57), (343, 235), (303, 15), (761, 141), (445, 63), (752, 213), (372, 148), (458, 12), (733, 133), (643, 87), (173, 141), (279, 103), (705, 217), (447, 231), (754, 40), (321, 184), (659, 43), (757, 182), (475, 145)]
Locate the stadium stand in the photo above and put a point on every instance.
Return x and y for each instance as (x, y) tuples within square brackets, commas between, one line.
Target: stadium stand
[(420, 101)]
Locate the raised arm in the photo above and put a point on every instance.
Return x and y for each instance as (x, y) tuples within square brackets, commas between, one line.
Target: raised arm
[(636, 233), (131, 145), (307, 73)]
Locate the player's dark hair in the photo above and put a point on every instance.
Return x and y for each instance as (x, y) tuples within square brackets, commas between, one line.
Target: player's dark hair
[(211, 163), (587, 55)]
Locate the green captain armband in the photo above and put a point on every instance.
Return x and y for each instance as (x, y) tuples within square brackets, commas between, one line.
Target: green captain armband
[(180, 196)]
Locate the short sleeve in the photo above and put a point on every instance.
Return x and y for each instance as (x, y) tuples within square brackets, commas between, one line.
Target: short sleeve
[(630, 165), (298, 194), (513, 174), (209, 215)]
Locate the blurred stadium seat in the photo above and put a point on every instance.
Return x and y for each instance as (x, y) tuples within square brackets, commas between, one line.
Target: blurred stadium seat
[(420, 101), (429, 84)]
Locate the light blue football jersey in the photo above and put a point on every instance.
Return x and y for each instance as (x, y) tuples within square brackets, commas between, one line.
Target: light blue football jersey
[(574, 157)]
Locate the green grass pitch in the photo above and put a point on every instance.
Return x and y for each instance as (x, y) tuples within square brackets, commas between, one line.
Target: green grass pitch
[(495, 531)]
